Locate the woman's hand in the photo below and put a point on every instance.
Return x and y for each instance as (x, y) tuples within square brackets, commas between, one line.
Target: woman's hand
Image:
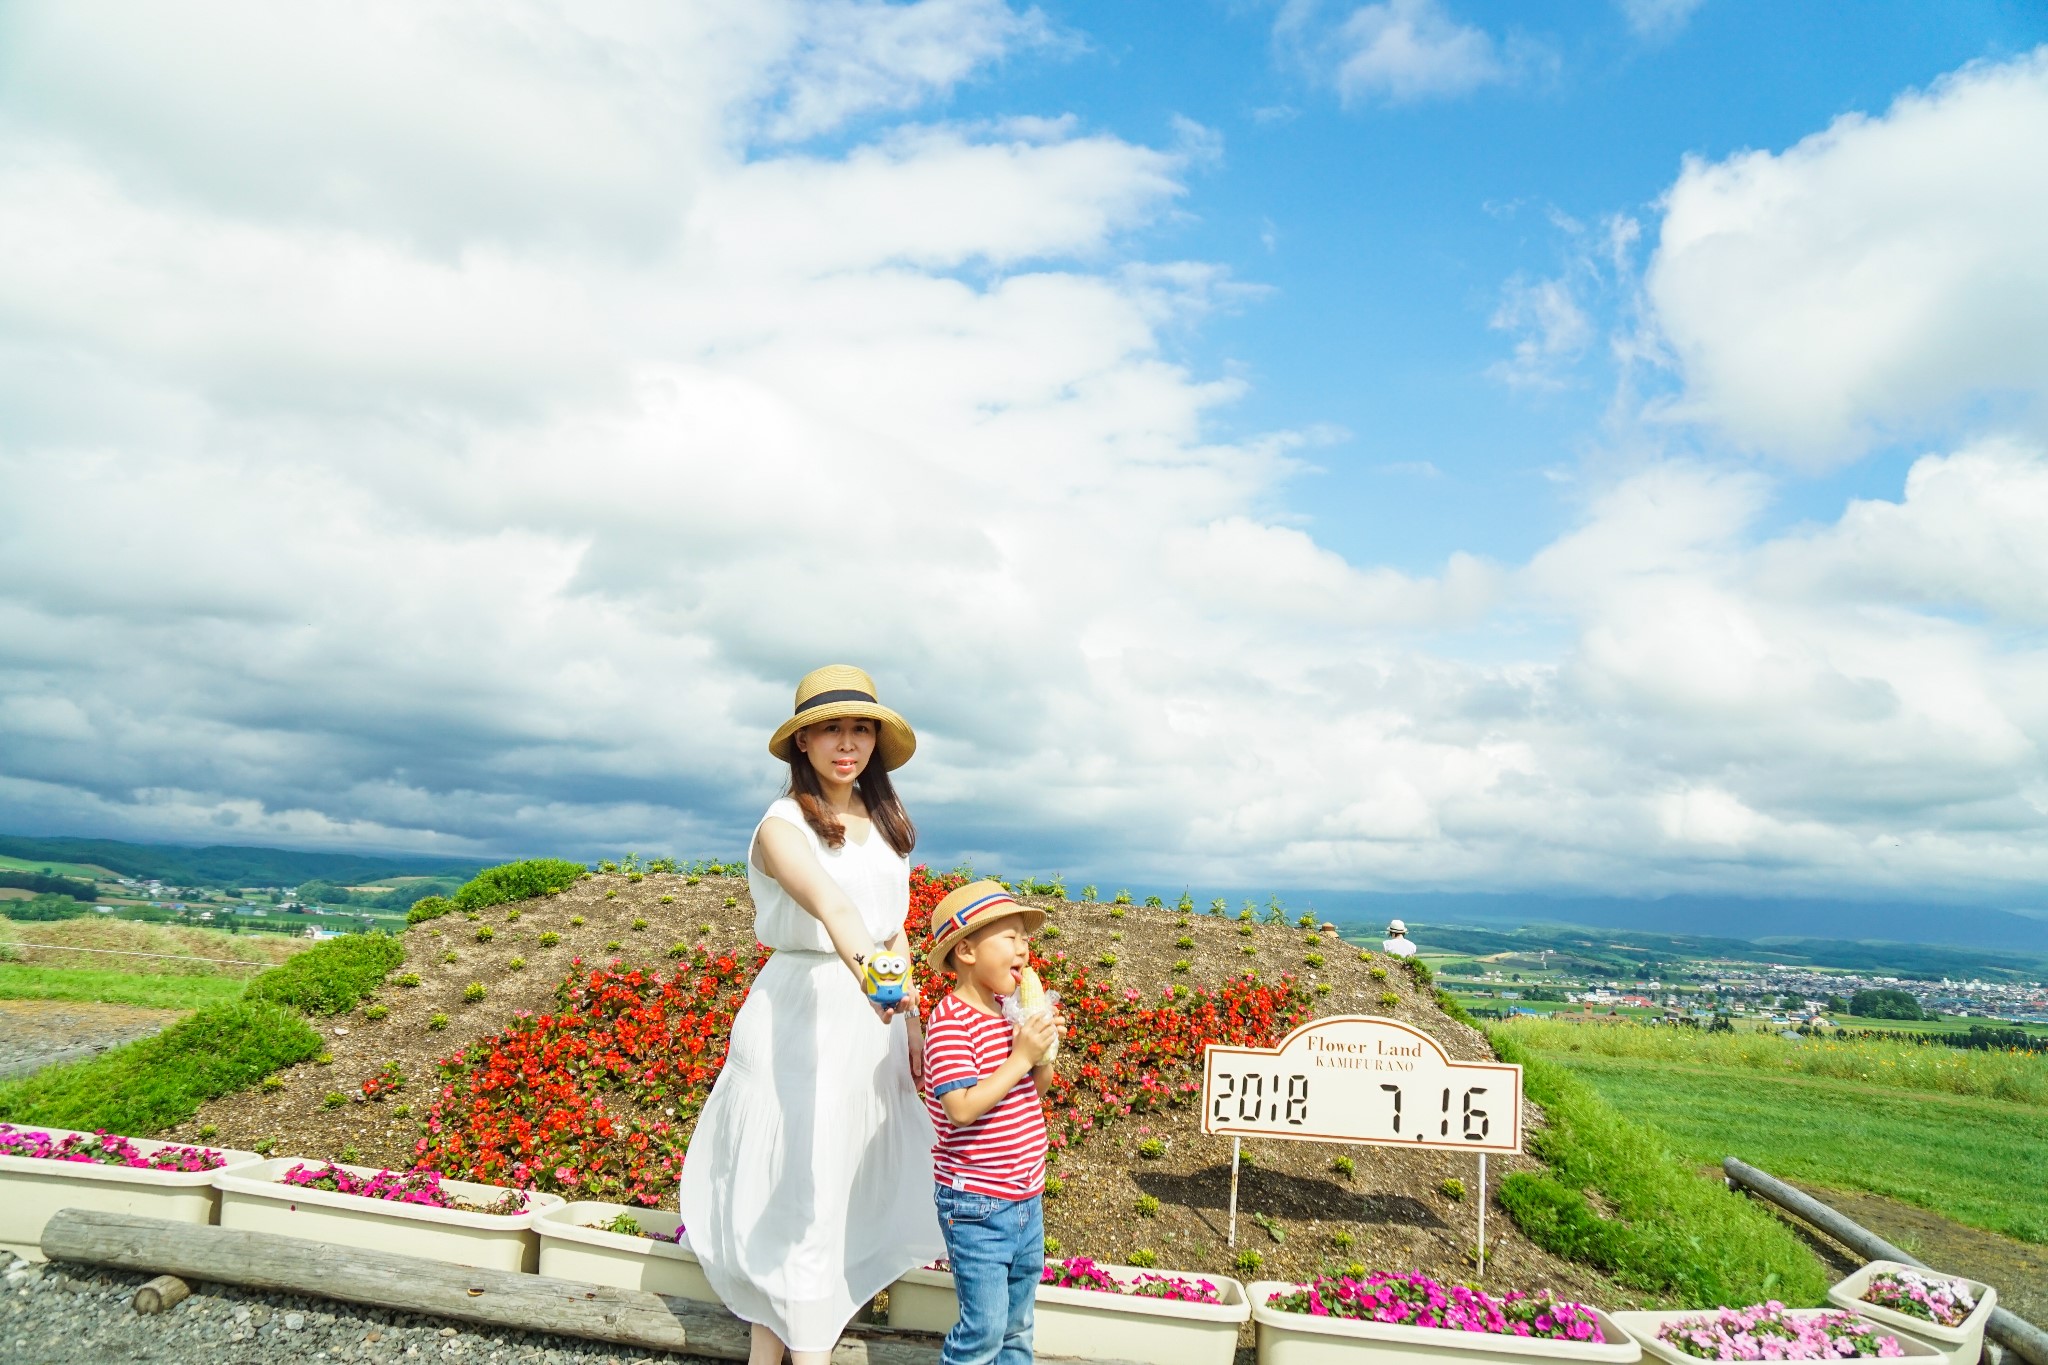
[(916, 1053)]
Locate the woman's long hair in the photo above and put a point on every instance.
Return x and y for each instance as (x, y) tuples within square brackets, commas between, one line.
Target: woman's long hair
[(877, 793)]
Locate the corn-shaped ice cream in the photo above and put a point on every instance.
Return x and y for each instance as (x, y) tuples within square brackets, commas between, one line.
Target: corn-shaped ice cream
[(1032, 998)]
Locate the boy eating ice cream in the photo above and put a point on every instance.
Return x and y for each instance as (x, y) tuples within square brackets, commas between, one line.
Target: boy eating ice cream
[(984, 1082)]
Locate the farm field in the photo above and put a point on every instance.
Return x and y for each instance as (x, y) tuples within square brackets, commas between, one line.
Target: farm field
[(151, 990), (1963, 1134), (83, 871)]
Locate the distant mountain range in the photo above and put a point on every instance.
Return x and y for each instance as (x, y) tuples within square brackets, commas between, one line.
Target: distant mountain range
[(1722, 917), (227, 865)]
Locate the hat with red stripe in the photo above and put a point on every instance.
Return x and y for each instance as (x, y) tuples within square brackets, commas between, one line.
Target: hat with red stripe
[(968, 908)]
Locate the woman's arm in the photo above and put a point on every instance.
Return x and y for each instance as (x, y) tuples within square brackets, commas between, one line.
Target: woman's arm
[(783, 853)]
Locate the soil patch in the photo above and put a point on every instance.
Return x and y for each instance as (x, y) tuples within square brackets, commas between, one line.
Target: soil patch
[(37, 1033)]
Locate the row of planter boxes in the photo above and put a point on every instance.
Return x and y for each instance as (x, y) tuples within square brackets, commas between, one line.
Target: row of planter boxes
[(556, 1238)]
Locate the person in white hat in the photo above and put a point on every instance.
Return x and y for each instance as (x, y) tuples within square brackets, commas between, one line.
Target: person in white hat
[(1397, 944), (806, 1188)]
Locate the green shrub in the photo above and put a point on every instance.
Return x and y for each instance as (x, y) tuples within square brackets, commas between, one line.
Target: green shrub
[(1344, 1166), (1307, 921), (549, 939), (330, 978), (520, 881), (1679, 1234), (429, 907), (512, 915), (406, 979), (1341, 1240), (485, 933), (638, 925), (474, 992), (1313, 959), (1154, 903), (1183, 942), (1183, 966), (1152, 1149), (143, 1087), (437, 1023), (668, 900), (1116, 912), (1452, 1189), (613, 946), (1052, 1246), (517, 964), (1247, 1261), (1088, 892), (1147, 1206), (1144, 1258), (1388, 1000), (333, 1099), (1377, 973), (1122, 898), (576, 921), (1107, 959), (1322, 988), (376, 1012)]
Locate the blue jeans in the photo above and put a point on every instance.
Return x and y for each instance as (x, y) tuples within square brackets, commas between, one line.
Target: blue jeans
[(997, 1251)]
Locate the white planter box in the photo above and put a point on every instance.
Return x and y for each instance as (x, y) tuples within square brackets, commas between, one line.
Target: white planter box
[(571, 1251), (1643, 1326), (252, 1197), (32, 1189), (1962, 1344), (1298, 1339), (1087, 1323)]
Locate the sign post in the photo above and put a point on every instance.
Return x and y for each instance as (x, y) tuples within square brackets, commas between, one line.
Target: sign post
[(1361, 1079)]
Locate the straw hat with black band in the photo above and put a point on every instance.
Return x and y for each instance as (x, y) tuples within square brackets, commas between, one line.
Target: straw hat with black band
[(967, 908), (835, 692)]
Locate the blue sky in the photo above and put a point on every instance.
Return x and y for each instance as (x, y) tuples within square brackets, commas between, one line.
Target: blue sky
[(1384, 230), (1366, 445)]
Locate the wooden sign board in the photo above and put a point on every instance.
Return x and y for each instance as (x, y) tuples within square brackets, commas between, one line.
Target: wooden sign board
[(1358, 1078)]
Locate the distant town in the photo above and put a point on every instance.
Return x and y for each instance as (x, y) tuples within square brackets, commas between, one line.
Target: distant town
[(1787, 996)]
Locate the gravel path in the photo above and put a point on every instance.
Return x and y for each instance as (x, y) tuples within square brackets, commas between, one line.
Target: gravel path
[(37, 1033), (78, 1315)]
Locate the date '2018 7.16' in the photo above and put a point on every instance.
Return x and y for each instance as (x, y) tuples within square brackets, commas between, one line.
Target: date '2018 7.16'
[(1245, 1097)]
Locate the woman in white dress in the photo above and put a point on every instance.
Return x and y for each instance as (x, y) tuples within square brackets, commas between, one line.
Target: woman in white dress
[(807, 1185)]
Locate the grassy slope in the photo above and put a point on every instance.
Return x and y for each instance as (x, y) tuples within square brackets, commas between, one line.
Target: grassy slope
[(1981, 1161), (2017, 1076), (19, 981), (1673, 1232)]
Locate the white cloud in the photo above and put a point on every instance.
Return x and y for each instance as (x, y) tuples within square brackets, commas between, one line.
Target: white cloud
[(1870, 282), (1655, 19), (1554, 332), (350, 504), (1402, 51)]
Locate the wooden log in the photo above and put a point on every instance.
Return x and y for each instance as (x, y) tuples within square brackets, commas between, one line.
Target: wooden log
[(165, 1291), (2014, 1333), (410, 1284)]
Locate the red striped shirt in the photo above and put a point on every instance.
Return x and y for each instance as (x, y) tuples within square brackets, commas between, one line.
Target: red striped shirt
[(1002, 1153)]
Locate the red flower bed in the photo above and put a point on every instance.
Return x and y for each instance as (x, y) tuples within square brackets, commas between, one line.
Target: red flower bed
[(595, 1101), (1124, 1055)]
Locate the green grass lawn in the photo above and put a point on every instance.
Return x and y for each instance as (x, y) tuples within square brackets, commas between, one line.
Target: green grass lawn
[(1980, 1161), (21, 981), (79, 870)]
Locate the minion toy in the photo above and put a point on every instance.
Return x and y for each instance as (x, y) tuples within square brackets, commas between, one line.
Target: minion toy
[(883, 977)]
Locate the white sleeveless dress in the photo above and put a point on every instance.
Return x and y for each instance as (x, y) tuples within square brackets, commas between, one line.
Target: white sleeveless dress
[(807, 1187)]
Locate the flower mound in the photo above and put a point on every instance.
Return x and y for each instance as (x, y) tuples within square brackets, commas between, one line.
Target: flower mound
[(104, 1149), (594, 1100), (1764, 1331), (1946, 1303), (1418, 1301), (1079, 1272), (410, 1187)]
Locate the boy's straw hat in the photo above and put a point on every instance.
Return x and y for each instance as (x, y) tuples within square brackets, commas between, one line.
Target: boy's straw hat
[(966, 909), (836, 691)]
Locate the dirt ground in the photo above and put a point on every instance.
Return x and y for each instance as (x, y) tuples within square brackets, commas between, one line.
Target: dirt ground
[(2017, 1270), (36, 1033), (1393, 1209)]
